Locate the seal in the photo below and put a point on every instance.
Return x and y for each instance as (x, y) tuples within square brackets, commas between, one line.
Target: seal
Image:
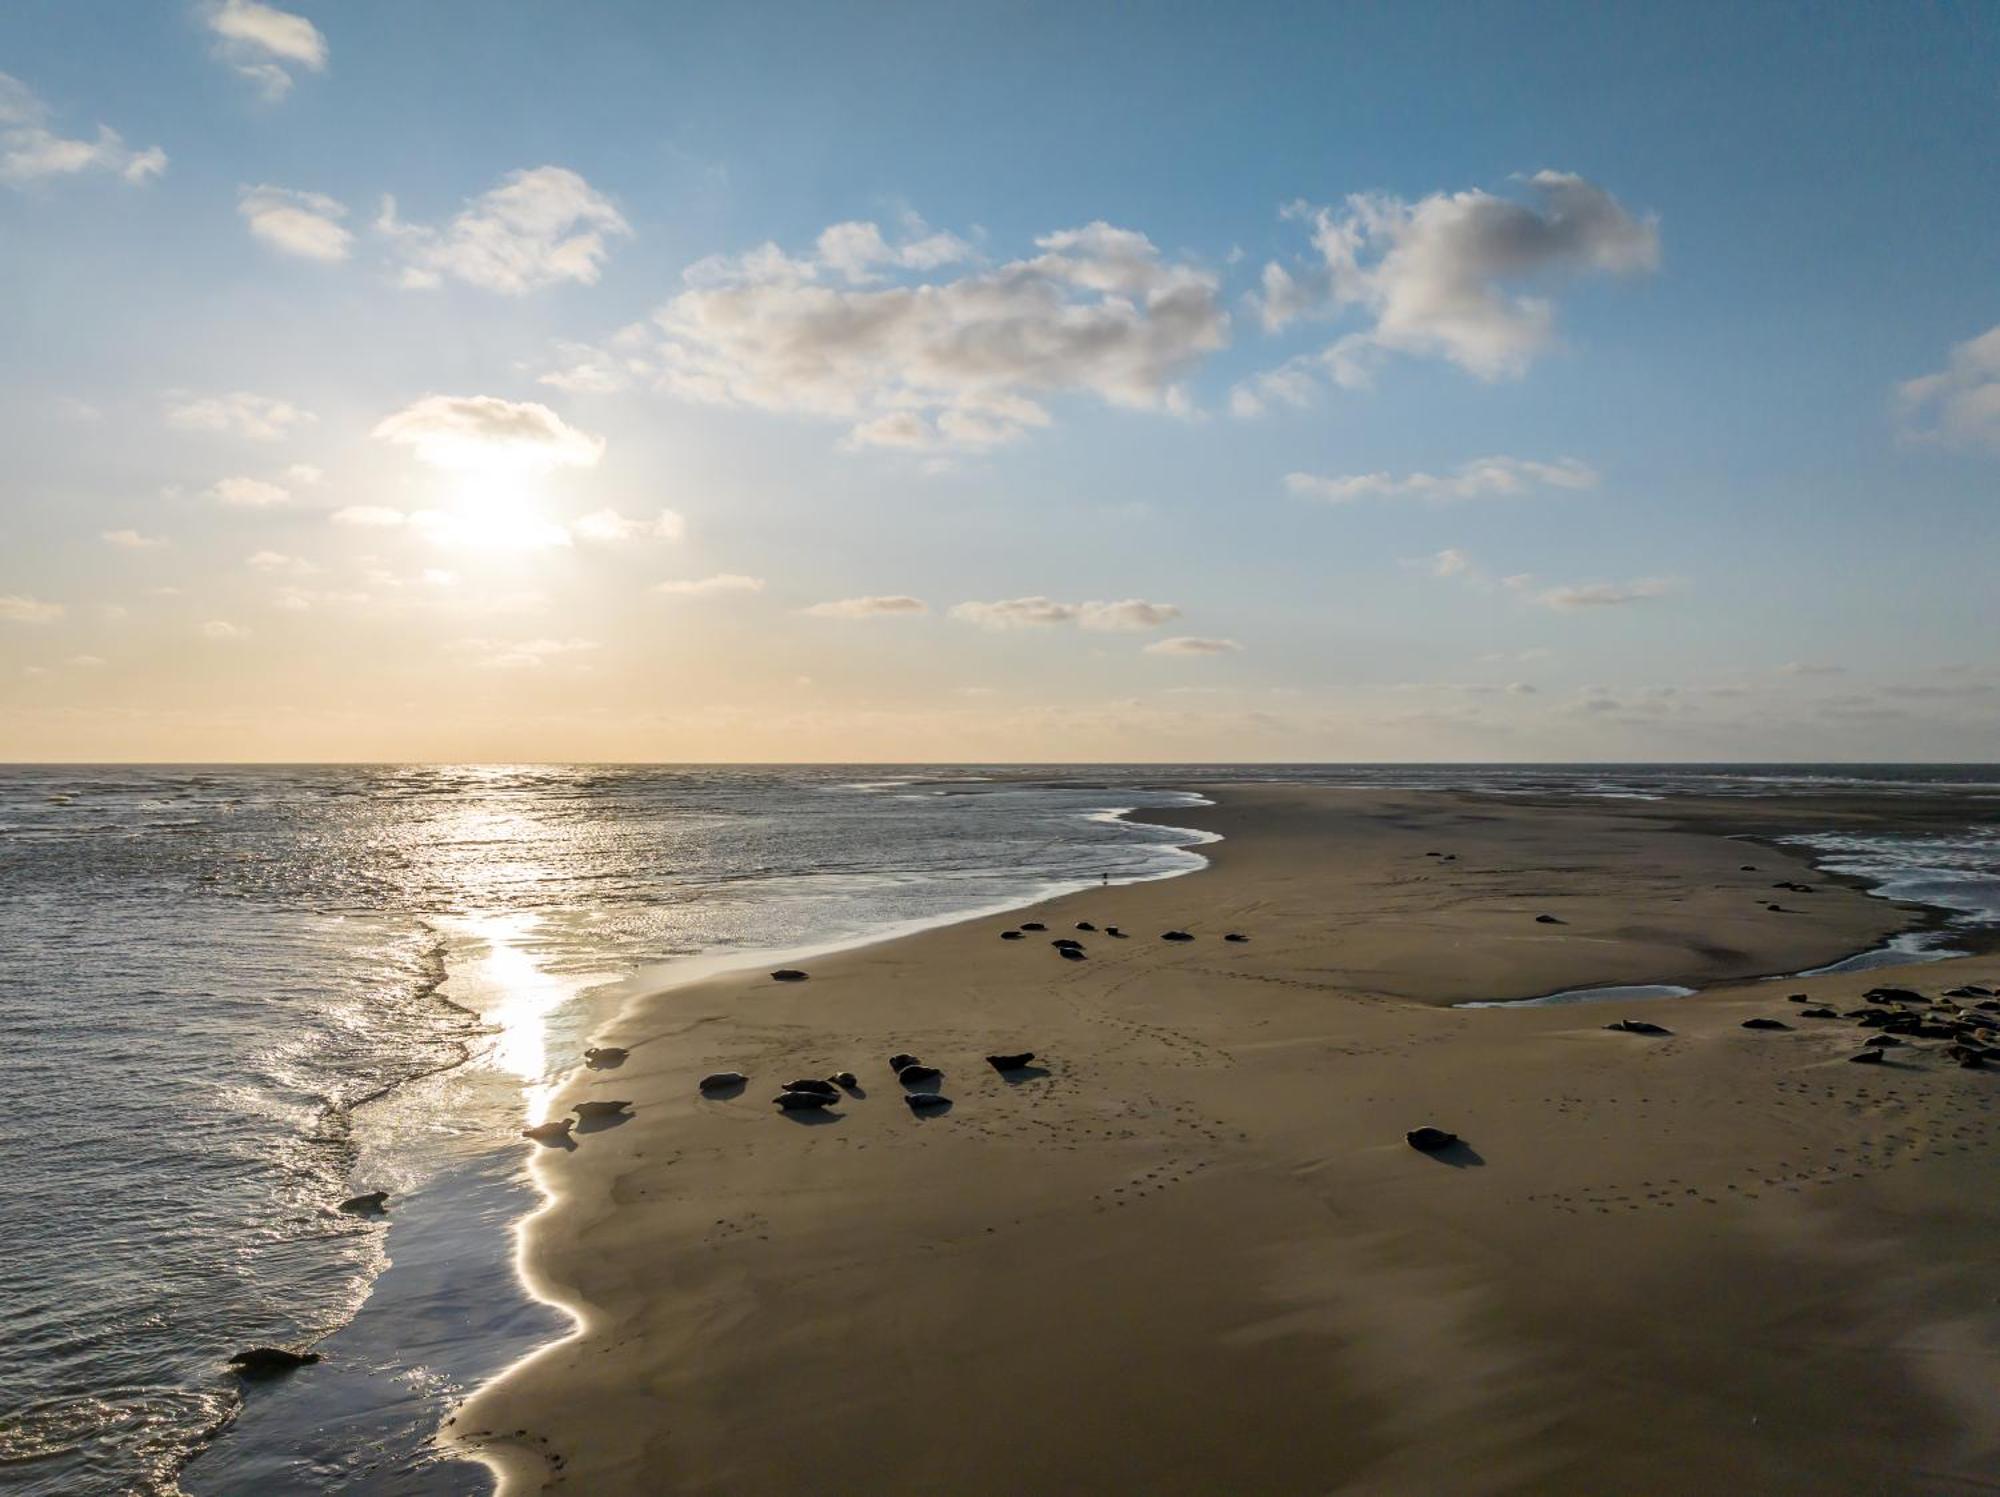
[(824, 1088), (365, 1205), (923, 1101), (1429, 1140), (550, 1133), (788, 974), (897, 1062), (715, 1081), (598, 1057), (910, 1075), (270, 1361), (600, 1109), (802, 1101), (1010, 1062)]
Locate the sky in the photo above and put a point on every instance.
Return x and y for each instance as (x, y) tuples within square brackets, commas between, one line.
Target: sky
[(998, 382)]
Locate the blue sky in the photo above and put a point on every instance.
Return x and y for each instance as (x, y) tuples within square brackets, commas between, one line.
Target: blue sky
[(1637, 410)]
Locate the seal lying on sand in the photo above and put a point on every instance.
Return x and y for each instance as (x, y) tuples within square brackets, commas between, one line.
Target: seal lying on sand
[(922, 1101), (897, 1062), (600, 1109), (597, 1057), (1012, 935), (788, 974), (1765, 1024), (715, 1081), (913, 1074), (802, 1101), (1429, 1140), (845, 1078), (269, 1361), (1010, 1062), (1638, 1026), (824, 1088), (1175, 935), (550, 1133)]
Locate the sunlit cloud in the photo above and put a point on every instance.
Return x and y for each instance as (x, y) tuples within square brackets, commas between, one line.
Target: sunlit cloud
[(250, 493), (720, 585), (262, 43), (609, 525), (31, 152), (1960, 404), (261, 418), (868, 332), (19, 608), (537, 228), (1130, 615), (884, 606), (304, 224), (1483, 477), (1604, 594), (132, 540), (1188, 644), (1439, 277), (486, 432)]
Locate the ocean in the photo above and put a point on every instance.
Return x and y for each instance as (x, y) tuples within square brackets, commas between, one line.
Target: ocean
[(232, 997)]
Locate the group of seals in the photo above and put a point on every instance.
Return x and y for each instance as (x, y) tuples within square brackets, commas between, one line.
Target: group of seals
[(810, 1094), (1901, 1014)]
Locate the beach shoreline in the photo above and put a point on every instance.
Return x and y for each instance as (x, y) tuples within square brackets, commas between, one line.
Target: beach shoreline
[(718, 1256)]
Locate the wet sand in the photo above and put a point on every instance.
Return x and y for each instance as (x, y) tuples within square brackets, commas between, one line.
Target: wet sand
[(1192, 1253)]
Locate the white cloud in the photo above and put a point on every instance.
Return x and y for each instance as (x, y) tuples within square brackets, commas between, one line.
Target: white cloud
[(1453, 275), (869, 608), (1482, 477), (277, 561), (250, 493), (1450, 562), (132, 540), (538, 228), (708, 587), (223, 629), (1960, 404), (1038, 612), (478, 431), (262, 43), (379, 516), (258, 417), (30, 151), (306, 224), (304, 474), (932, 361), (609, 525), (18, 608), (1604, 594), (1187, 644)]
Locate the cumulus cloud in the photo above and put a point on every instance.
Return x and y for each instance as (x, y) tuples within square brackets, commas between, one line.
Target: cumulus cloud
[(250, 493), (609, 525), (263, 44), (1482, 477), (1603, 594), (132, 540), (31, 152), (1188, 644), (476, 431), (258, 417), (1960, 404), (871, 333), (1450, 562), (537, 228), (1457, 276), (306, 224), (869, 608), (1130, 615), (19, 608), (709, 587)]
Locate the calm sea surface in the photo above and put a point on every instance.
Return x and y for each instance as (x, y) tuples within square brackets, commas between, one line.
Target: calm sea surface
[(230, 998)]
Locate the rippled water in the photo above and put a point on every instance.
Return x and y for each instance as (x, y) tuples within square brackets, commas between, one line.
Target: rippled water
[(231, 997)]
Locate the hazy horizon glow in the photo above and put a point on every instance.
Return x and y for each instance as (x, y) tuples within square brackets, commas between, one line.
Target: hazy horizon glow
[(908, 385)]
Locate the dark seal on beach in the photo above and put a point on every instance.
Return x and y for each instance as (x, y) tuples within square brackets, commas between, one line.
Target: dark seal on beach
[(1175, 935), (1638, 1026), (1067, 943), (270, 1361), (1866, 1058), (715, 1081), (1010, 1062), (1085, 925), (1071, 953), (802, 1101), (598, 1057), (897, 1062), (1012, 935), (1765, 1024), (600, 1109), (824, 1088), (788, 974), (845, 1078), (1429, 1140), (1033, 925), (912, 1075), (550, 1133), (923, 1101), (1236, 935)]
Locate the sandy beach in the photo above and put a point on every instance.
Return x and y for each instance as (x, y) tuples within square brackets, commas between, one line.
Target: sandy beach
[(1190, 1252)]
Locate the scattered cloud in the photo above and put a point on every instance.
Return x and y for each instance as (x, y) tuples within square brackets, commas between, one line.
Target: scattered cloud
[(708, 587), (223, 629), (306, 224), (263, 44), (86, 662), (250, 493), (525, 654), (31, 152), (1480, 478), (1128, 616), (1457, 276), (1450, 562), (869, 608), (918, 360), (1960, 404), (479, 431), (379, 516), (257, 417), (1603, 594), (132, 540), (537, 228), (609, 525), (1188, 644), (19, 608)]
